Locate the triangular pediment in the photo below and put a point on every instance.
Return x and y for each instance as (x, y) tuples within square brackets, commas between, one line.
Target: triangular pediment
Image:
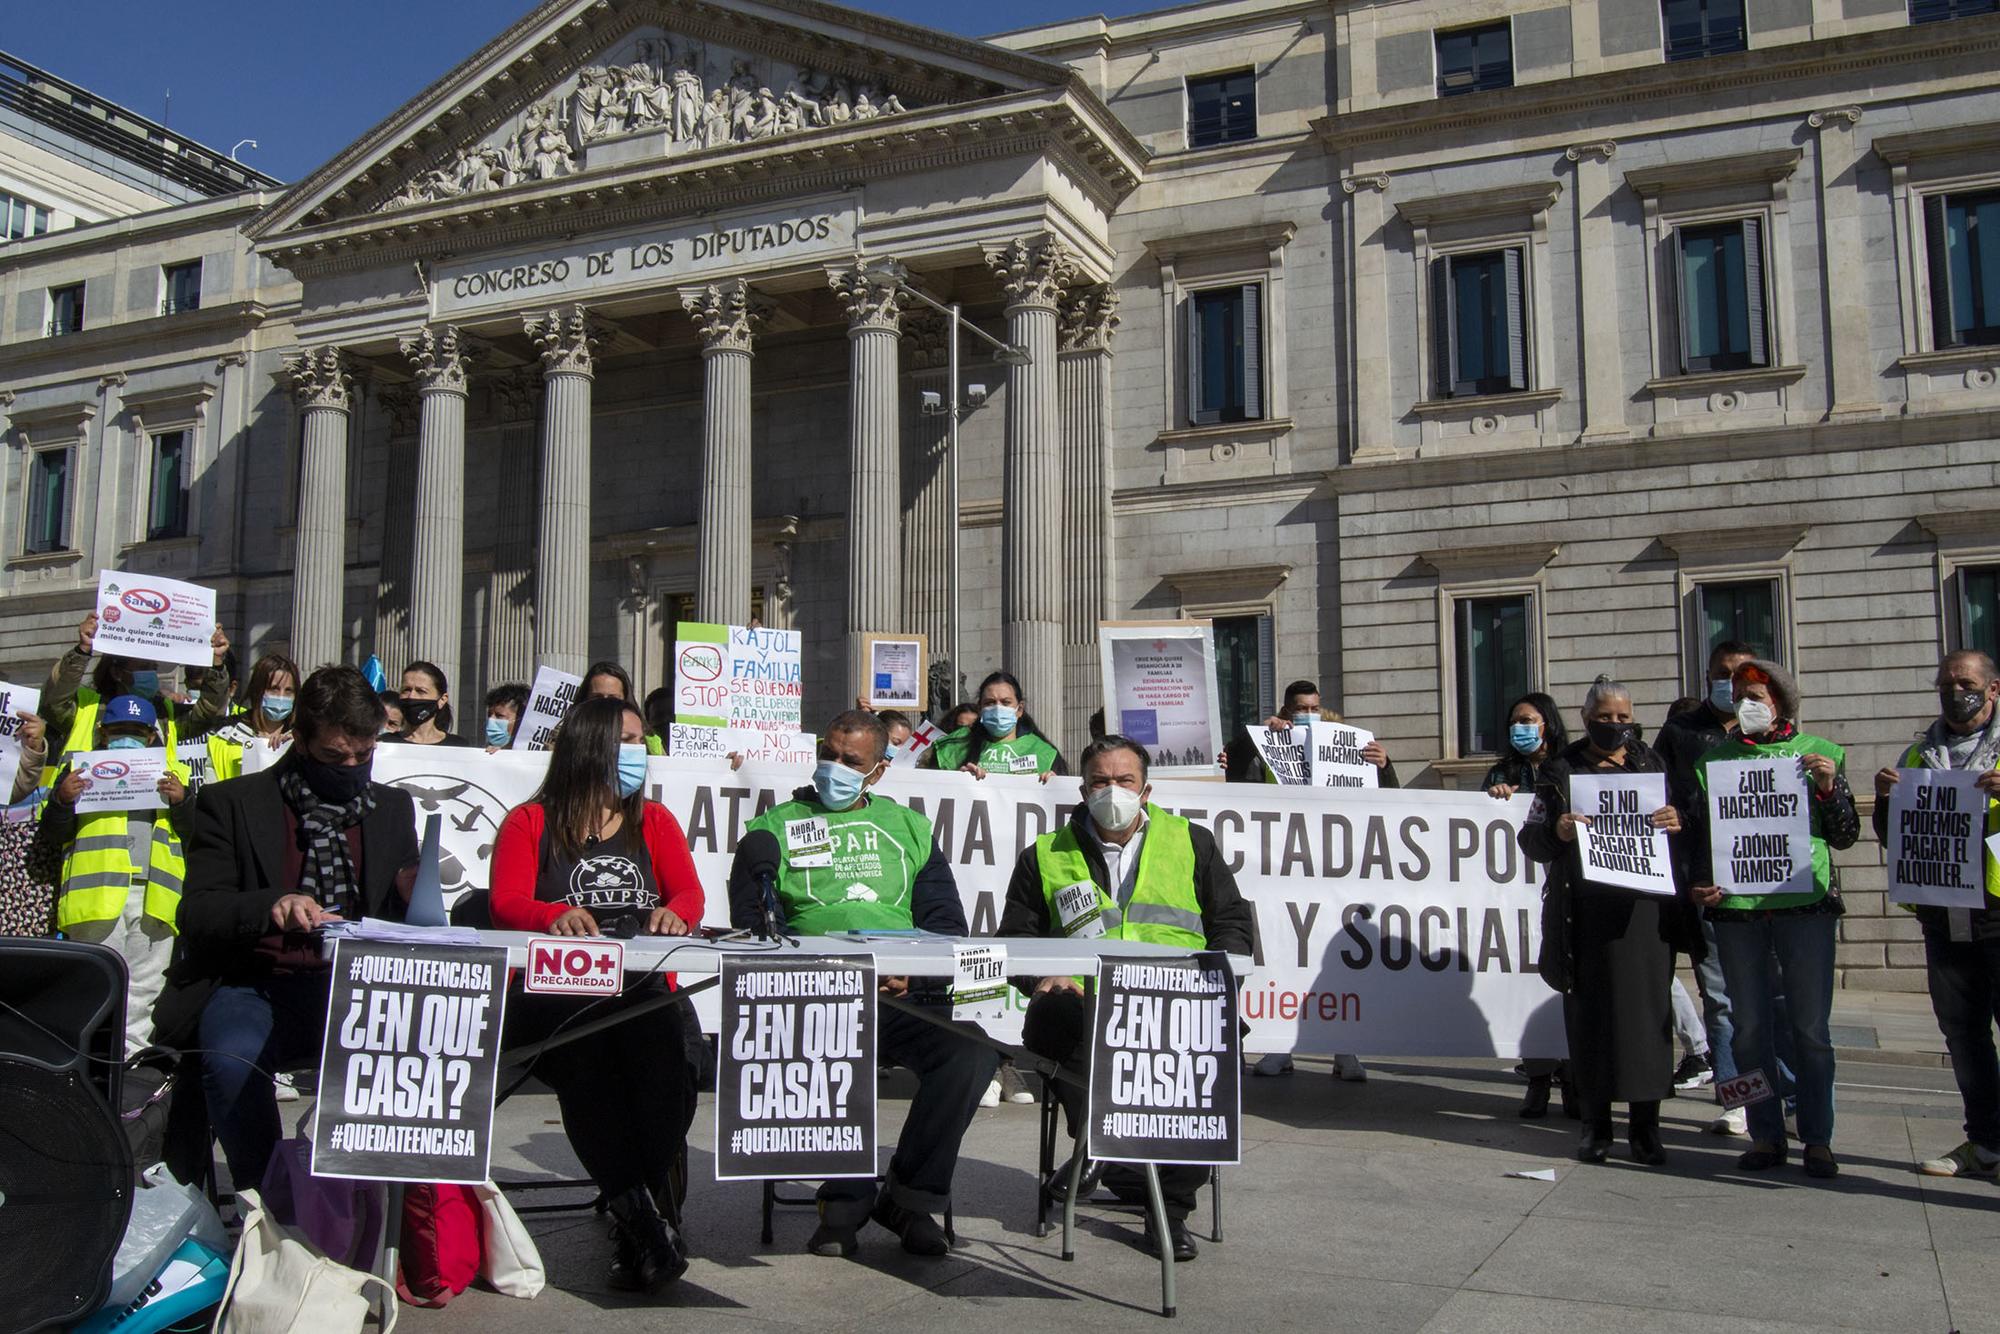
[(580, 86)]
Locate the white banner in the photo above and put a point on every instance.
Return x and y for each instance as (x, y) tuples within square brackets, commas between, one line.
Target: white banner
[(1619, 846), (1937, 827), (1760, 828), (1388, 922)]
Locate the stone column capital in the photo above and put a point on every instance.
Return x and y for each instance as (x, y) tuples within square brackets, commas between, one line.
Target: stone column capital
[(567, 338), (872, 294), (441, 358), (1603, 149), (1843, 118), (400, 402), (726, 314), (1032, 270), (926, 340), (1378, 181), (318, 378), (517, 394), (1088, 318)]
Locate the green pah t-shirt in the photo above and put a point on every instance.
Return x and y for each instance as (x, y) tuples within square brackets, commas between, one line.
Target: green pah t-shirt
[(847, 870), (1023, 753)]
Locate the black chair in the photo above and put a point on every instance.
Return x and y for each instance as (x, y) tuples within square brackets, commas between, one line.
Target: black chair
[(1051, 1112)]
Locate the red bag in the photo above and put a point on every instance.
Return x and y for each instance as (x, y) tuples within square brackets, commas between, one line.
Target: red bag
[(440, 1247)]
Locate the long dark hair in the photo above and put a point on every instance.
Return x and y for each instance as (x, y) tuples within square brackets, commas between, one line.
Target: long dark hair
[(616, 673), (436, 674), (582, 776), (261, 673), (1519, 768), (978, 737)]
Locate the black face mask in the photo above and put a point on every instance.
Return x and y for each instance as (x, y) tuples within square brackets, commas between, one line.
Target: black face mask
[(1609, 737), (1961, 706), (337, 784), (416, 712)]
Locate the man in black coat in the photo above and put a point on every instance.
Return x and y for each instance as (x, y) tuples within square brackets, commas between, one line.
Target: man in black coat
[(270, 857)]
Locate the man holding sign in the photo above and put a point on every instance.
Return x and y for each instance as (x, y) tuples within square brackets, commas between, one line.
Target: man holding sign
[(1961, 939), (1777, 802), (1124, 870)]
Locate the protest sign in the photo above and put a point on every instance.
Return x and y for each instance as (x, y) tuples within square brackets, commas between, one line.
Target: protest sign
[(696, 741), (1937, 827), (738, 676), (795, 1085), (979, 981), (146, 616), (779, 748), (896, 671), (548, 700), (574, 966), (1159, 690), (1336, 756), (14, 701), (1165, 1067), (1286, 752), (1745, 1090), (194, 757), (1760, 828), (1392, 922), (120, 780), (408, 1065), (1619, 846), (922, 737)]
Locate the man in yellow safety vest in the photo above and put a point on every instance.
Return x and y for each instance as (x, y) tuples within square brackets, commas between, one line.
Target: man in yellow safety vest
[(1121, 869)]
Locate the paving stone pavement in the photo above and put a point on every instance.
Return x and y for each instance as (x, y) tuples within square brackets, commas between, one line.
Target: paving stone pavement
[(1376, 1207)]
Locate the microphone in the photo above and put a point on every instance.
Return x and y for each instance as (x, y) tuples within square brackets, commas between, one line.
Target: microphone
[(761, 860)]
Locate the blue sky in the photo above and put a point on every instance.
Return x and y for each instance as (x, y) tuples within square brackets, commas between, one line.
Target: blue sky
[(305, 78)]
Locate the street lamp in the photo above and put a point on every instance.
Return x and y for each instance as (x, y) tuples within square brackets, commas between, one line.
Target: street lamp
[(239, 144), (1007, 355)]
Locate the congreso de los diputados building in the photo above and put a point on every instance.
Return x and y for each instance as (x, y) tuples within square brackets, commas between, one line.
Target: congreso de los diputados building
[(1435, 350)]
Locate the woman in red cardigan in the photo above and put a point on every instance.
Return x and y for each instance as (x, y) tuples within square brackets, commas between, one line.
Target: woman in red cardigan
[(586, 851)]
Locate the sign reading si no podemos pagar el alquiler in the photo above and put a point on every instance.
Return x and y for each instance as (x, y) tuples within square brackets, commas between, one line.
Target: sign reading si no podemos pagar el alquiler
[(650, 257)]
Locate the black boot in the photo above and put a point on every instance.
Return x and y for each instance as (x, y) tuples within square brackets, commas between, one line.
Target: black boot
[(1594, 1144), (1572, 1108), (1643, 1127), (1536, 1105), (646, 1253)]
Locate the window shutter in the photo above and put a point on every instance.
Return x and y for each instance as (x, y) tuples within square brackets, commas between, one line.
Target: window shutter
[(1517, 323), (1681, 339), (1195, 415), (1442, 371), (1937, 251), (1253, 354), (1267, 668), (1753, 290)]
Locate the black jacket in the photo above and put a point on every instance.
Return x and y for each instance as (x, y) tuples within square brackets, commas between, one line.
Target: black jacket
[(1226, 918), (1682, 742), (235, 873)]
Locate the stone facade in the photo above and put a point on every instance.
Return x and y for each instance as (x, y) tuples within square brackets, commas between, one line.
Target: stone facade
[(545, 413)]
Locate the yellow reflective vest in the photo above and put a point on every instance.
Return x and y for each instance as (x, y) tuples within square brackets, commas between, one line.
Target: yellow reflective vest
[(97, 869), (1163, 909)]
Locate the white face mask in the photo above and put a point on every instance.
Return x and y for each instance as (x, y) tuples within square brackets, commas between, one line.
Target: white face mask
[(1115, 808), (1755, 717)]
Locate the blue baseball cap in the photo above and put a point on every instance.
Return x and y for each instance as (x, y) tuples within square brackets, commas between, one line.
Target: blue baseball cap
[(130, 709)]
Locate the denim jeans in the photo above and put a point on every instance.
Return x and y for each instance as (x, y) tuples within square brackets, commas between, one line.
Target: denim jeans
[(1965, 996), (248, 1034), (1715, 1008), (1800, 949)]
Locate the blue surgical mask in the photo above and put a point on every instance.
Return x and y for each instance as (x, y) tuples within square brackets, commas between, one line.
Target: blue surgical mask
[(1525, 737), (1304, 719), (498, 732), (838, 786), (276, 707), (998, 719), (125, 743), (145, 683), (631, 768), (1722, 694)]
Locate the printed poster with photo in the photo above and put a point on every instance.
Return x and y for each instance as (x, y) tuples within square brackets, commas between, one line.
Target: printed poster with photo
[(1159, 690)]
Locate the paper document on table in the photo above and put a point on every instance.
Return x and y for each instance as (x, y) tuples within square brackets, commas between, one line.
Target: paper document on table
[(384, 928)]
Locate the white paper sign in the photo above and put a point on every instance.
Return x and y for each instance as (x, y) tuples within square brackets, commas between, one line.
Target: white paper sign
[(14, 700), (693, 741), (922, 737), (548, 700), (738, 676), (1760, 826), (146, 616), (1159, 690), (979, 982), (194, 757), (1286, 752), (574, 966), (1936, 844), (1336, 756), (120, 780), (1619, 846), (758, 747)]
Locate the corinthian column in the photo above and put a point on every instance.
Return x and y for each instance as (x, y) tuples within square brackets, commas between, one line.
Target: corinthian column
[(437, 547), (727, 315), (1032, 275), (873, 298), (568, 344), (1089, 318), (321, 387)]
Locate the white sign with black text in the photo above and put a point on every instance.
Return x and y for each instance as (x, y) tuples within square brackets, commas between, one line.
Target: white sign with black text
[(1620, 847), (1937, 827), (1760, 826)]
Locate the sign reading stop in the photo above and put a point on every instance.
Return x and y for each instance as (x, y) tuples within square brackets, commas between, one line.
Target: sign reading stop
[(575, 966)]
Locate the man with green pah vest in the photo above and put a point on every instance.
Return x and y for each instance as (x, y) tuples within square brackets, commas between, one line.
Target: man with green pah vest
[(1121, 869), (1962, 945), (849, 861), (121, 870)]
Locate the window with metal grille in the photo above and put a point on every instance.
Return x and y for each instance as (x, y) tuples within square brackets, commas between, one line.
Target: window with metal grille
[(1699, 28), (1721, 290), (182, 284), (48, 501), (1222, 109), (1962, 238), (65, 310), (1472, 60), (1494, 667), (167, 512), (1745, 610), (1979, 609), (1479, 323), (1225, 355)]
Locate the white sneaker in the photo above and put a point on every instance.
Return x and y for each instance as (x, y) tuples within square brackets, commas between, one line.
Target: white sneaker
[(1350, 1069), (991, 1098), (1736, 1121), (1273, 1063), (1012, 1087), (286, 1087)]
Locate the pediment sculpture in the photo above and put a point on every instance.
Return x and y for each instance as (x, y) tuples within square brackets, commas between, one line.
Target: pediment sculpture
[(697, 96)]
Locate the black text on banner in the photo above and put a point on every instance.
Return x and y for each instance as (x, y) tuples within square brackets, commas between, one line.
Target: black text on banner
[(1165, 1064)]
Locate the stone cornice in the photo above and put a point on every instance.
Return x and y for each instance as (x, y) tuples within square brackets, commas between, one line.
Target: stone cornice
[(1264, 236), (1954, 529), (1741, 544), (1767, 167), (101, 342), (1979, 139), (1501, 560), (1530, 198), (53, 420)]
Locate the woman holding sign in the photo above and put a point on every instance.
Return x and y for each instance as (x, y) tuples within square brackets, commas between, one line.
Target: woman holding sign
[(1004, 740), (1607, 947), (1777, 803), (588, 850)]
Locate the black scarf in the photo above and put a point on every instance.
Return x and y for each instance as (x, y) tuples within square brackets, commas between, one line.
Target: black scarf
[(326, 871)]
